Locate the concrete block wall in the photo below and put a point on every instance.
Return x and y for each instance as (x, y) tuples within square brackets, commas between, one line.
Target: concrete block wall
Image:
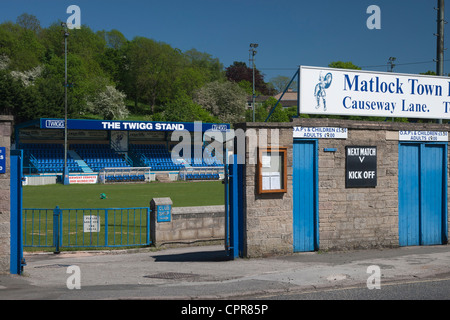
[(190, 224), (5, 141)]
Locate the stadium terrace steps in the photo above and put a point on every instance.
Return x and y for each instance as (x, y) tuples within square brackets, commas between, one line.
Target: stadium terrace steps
[(163, 178), (83, 165)]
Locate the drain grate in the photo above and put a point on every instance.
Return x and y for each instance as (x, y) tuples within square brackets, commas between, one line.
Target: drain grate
[(172, 275)]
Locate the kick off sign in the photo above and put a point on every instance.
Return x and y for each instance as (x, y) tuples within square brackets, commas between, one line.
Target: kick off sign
[(374, 94)]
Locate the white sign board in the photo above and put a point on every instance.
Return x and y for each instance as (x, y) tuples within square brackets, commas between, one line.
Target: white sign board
[(320, 133), (329, 91), (83, 179), (422, 136), (91, 224), (271, 181)]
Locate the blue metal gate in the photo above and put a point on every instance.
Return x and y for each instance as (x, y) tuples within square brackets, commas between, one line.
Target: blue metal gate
[(422, 189), (63, 228), (17, 261), (234, 224), (305, 191)]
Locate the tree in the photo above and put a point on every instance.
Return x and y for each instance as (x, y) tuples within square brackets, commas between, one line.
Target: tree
[(109, 103), (278, 115), (21, 46), (183, 109), (224, 100), (429, 73), (206, 64), (281, 82), (239, 71), (114, 39), (261, 114), (152, 69), (29, 22), (343, 65)]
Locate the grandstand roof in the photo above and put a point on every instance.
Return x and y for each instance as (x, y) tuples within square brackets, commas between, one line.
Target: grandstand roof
[(131, 125), (83, 124)]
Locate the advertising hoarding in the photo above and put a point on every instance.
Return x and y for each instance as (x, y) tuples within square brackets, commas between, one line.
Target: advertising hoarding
[(329, 91)]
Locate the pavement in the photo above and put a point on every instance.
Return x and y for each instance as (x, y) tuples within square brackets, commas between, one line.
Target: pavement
[(207, 273)]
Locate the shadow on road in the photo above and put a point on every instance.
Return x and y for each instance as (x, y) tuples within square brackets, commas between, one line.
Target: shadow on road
[(201, 256)]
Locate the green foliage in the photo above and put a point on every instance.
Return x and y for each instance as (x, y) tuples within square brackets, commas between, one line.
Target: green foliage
[(343, 65), (105, 70), (183, 109), (239, 71), (224, 100)]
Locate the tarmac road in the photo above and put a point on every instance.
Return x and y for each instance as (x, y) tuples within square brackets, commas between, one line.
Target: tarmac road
[(206, 273)]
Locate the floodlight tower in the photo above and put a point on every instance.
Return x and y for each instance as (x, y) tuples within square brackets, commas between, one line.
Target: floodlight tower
[(391, 63), (253, 52), (66, 169)]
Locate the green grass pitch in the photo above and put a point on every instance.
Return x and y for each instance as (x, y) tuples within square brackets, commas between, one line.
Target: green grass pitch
[(183, 194)]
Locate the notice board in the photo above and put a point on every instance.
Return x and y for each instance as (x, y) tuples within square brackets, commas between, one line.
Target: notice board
[(361, 166)]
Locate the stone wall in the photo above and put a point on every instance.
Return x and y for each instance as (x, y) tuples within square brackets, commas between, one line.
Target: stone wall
[(349, 218), (5, 141), (268, 219), (189, 225)]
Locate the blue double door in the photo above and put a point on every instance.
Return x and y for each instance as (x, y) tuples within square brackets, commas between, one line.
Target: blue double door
[(422, 185), (305, 195)]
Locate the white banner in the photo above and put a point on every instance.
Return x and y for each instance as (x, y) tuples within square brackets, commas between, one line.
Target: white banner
[(320, 133), (330, 91), (83, 179), (423, 136)]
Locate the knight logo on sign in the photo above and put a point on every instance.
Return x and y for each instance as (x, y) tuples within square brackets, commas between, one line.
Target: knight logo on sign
[(345, 92)]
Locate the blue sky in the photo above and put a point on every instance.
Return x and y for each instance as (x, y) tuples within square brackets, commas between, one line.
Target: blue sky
[(289, 32)]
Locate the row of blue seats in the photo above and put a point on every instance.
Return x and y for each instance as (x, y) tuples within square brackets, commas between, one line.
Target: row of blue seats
[(57, 168), (125, 178), (199, 176), (101, 165)]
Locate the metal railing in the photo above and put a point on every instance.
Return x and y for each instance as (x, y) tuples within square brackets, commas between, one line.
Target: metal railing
[(72, 228)]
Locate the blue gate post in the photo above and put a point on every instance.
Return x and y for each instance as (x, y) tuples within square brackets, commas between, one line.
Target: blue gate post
[(148, 226), (106, 228), (227, 205), (236, 225), (56, 228), (17, 262)]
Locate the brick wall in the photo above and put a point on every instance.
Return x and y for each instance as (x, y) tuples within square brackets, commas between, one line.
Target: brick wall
[(5, 141), (349, 218)]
